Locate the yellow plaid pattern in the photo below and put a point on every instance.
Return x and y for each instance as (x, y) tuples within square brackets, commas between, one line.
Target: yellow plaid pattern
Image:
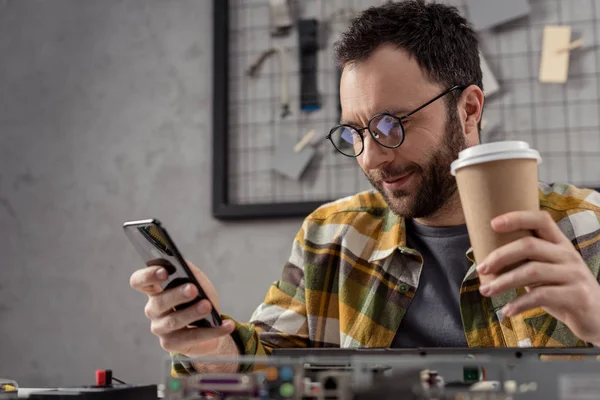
[(339, 287)]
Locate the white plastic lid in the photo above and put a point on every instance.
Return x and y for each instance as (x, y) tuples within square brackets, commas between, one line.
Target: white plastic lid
[(495, 151)]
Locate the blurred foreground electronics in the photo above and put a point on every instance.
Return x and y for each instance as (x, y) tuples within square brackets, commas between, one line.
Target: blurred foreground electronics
[(115, 392), (381, 374)]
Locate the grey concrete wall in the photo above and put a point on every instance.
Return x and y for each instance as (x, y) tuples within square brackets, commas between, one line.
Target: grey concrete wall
[(105, 116)]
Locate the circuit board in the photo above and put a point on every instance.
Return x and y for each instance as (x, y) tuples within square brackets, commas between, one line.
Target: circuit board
[(364, 376)]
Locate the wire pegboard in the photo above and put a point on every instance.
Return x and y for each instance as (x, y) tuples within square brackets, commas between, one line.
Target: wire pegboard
[(560, 120)]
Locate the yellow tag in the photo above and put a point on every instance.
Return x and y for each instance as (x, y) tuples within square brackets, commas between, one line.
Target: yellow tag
[(8, 388), (554, 65)]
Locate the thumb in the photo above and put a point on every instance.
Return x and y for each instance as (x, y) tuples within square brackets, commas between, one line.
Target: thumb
[(206, 285)]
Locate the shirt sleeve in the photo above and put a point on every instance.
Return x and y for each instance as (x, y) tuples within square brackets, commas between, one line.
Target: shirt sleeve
[(589, 243), (280, 321), (589, 248), (597, 240)]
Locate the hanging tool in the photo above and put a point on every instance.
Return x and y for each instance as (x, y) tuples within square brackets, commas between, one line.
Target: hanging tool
[(308, 34), (292, 157), (255, 67), (306, 139), (281, 17)]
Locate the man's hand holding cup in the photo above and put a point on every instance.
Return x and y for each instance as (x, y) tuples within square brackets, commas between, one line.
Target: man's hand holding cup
[(516, 245), (551, 270)]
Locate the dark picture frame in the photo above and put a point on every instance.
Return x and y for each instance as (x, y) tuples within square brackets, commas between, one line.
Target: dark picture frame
[(222, 208)]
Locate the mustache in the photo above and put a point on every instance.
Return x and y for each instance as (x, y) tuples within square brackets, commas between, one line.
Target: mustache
[(393, 172)]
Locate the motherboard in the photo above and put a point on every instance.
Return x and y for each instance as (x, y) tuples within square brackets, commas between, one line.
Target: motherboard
[(423, 374)]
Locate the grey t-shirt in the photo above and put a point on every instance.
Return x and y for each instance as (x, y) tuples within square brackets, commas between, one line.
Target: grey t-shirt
[(433, 317)]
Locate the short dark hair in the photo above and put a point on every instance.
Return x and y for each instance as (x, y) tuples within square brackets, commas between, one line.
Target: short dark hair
[(442, 41)]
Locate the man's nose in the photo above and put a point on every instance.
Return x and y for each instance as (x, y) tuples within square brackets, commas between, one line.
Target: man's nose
[(374, 155)]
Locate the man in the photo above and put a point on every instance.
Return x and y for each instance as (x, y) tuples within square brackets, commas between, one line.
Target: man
[(392, 267)]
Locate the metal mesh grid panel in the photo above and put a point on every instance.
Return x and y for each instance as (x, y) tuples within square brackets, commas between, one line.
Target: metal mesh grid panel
[(561, 121)]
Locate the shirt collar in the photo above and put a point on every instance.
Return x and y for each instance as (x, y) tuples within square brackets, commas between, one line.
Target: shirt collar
[(392, 236), (470, 255)]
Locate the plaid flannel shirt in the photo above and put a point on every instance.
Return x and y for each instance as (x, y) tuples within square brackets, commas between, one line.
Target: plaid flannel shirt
[(340, 287)]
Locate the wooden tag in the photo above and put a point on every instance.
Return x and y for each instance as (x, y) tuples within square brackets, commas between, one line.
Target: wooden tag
[(554, 63)]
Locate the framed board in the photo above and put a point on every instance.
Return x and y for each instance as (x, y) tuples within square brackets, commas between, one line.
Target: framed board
[(560, 120)]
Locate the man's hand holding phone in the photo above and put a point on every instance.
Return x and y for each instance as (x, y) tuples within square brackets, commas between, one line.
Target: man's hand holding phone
[(173, 327)]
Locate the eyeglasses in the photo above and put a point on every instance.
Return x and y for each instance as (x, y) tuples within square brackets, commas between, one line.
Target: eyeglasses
[(385, 128)]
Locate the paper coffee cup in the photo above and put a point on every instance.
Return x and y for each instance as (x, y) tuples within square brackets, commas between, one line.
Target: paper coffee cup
[(494, 179)]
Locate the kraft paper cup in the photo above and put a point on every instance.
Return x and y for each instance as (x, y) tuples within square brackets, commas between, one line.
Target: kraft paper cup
[(494, 179)]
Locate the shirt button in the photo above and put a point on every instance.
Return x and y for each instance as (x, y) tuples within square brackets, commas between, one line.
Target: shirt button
[(403, 288)]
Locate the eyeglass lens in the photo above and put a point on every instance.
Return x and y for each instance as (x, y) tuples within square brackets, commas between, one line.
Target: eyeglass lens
[(386, 130)]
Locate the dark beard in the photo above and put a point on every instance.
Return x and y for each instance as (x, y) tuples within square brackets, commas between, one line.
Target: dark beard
[(437, 183)]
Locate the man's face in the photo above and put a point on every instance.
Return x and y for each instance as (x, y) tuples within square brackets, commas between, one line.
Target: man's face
[(414, 178)]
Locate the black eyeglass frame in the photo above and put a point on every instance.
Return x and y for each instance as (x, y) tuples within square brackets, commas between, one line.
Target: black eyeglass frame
[(399, 119)]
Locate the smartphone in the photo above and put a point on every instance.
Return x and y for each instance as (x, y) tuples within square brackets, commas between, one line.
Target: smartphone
[(156, 247)]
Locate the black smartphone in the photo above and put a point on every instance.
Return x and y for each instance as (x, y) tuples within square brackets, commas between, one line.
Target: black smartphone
[(156, 247)]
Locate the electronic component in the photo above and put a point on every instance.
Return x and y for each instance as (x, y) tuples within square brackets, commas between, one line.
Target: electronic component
[(377, 374), (275, 382), (213, 385), (334, 385), (282, 382)]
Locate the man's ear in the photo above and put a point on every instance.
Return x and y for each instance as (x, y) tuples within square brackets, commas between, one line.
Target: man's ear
[(470, 108)]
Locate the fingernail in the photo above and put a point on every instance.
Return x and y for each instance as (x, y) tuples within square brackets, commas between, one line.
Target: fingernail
[(161, 273), (187, 290), (484, 289), (507, 311), (482, 268), (228, 324), (498, 223)]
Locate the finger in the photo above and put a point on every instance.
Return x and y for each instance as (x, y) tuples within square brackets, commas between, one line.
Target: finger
[(183, 339), (164, 303), (180, 319), (524, 249), (148, 280), (531, 274), (542, 296), (540, 222), (205, 284)]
